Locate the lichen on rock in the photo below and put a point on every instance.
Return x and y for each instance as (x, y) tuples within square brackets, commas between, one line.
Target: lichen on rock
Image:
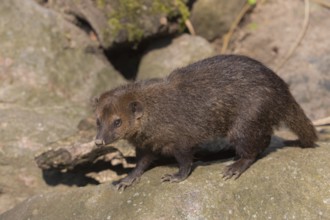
[(134, 20)]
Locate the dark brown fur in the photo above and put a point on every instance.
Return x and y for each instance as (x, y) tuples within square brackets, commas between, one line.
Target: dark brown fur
[(223, 96)]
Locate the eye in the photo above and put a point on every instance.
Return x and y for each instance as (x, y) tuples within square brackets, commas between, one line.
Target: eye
[(117, 123)]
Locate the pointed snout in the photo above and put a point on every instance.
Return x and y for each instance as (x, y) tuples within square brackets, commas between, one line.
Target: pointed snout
[(99, 142)]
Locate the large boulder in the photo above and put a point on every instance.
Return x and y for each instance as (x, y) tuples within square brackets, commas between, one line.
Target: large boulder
[(268, 37), (164, 56), (212, 18), (41, 51), (279, 185), (124, 22), (47, 77)]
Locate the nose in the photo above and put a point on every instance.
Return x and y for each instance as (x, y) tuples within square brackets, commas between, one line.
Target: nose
[(99, 142)]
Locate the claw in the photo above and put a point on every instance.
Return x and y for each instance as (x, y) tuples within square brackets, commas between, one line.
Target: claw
[(124, 183), (172, 178), (236, 169), (121, 186), (167, 178), (229, 173)]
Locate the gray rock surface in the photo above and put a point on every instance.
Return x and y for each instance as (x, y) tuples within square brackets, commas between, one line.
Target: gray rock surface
[(281, 185), (212, 18), (159, 60), (269, 34), (46, 81), (40, 54), (121, 22)]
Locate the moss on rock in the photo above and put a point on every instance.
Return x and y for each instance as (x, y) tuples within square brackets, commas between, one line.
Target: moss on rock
[(134, 19)]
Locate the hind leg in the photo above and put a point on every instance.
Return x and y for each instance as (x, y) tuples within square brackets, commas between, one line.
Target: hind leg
[(249, 142)]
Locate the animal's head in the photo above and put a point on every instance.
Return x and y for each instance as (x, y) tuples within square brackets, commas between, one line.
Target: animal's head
[(117, 117)]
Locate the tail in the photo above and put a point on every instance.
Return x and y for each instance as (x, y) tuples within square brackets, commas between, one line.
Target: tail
[(298, 122)]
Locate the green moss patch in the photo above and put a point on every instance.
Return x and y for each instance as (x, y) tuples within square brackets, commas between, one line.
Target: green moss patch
[(133, 17)]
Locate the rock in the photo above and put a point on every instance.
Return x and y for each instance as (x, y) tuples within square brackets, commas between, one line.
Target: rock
[(159, 61), (212, 18), (47, 60), (124, 22), (47, 78), (279, 185), (267, 36), (42, 70)]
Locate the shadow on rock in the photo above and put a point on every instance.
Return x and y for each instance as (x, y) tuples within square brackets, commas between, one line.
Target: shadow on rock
[(278, 143), (100, 171), (79, 176)]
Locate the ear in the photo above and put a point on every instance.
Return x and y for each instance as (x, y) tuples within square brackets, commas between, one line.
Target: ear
[(136, 108)]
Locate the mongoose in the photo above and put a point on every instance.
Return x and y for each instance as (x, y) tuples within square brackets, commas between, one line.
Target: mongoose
[(228, 96)]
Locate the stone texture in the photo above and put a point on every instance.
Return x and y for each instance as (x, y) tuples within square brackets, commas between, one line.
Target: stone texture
[(46, 81), (212, 18), (269, 34), (279, 185), (125, 21), (40, 56), (159, 60)]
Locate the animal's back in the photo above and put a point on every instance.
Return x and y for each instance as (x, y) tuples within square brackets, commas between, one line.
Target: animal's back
[(228, 86), (227, 71)]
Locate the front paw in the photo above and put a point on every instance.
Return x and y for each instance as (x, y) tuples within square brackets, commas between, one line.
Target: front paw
[(173, 178), (124, 183)]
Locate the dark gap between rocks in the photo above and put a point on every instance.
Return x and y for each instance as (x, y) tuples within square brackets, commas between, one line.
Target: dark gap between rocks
[(84, 25), (126, 58), (190, 4)]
